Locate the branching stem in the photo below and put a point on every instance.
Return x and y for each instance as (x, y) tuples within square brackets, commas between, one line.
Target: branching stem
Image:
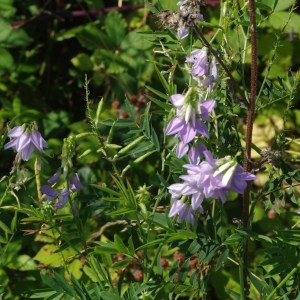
[(233, 82)]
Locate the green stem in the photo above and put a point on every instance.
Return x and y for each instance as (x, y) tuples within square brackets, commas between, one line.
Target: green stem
[(241, 279), (38, 180), (285, 279)]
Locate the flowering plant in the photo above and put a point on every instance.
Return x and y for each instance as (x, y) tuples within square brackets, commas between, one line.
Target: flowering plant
[(186, 189)]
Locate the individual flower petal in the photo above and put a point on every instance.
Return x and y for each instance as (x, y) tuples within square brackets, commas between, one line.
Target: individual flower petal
[(176, 207), (54, 178), (181, 149), (187, 133), (196, 201), (186, 214), (27, 152), (194, 154), (174, 126), (11, 144), (38, 140), (49, 192), (177, 100), (182, 32), (23, 141), (213, 70), (201, 128), (206, 107), (15, 132), (238, 183)]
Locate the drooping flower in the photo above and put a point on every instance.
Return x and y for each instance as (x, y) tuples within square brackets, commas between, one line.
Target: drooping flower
[(195, 152), (54, 178), (191, 112), (49, 192), (74, 183), (25, 141), (63, 199), (211, 77), (184, 212), (198, 59)]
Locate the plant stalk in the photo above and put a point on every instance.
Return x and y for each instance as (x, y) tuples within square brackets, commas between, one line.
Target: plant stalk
[(38, 180), (249, 130), (284, 280)]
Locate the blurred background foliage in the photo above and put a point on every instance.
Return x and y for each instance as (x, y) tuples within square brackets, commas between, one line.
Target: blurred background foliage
[(46, 50)]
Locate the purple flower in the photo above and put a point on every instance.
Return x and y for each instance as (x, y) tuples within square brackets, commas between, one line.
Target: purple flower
[(188, 122), (63, 199), (49, 192), (198, 59), (184, 212), (62, 195), (74, 183), (194, 154), (213, 70), (25, 142), (213, 75), (54, 178), (183, 32), (210, 178)]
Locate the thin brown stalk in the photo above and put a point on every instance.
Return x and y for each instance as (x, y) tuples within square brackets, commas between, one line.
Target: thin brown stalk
[(249, 130)]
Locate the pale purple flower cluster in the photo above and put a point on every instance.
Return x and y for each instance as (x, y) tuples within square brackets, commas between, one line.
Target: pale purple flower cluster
[(211, 178), (62, 195), (24, 141), (193, 108), (191, 112)]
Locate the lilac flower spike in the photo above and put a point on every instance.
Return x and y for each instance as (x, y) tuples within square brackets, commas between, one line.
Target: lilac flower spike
[(25, 142)]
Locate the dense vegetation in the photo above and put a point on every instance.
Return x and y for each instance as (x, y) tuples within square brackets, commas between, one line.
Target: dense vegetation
[(101, 81)]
